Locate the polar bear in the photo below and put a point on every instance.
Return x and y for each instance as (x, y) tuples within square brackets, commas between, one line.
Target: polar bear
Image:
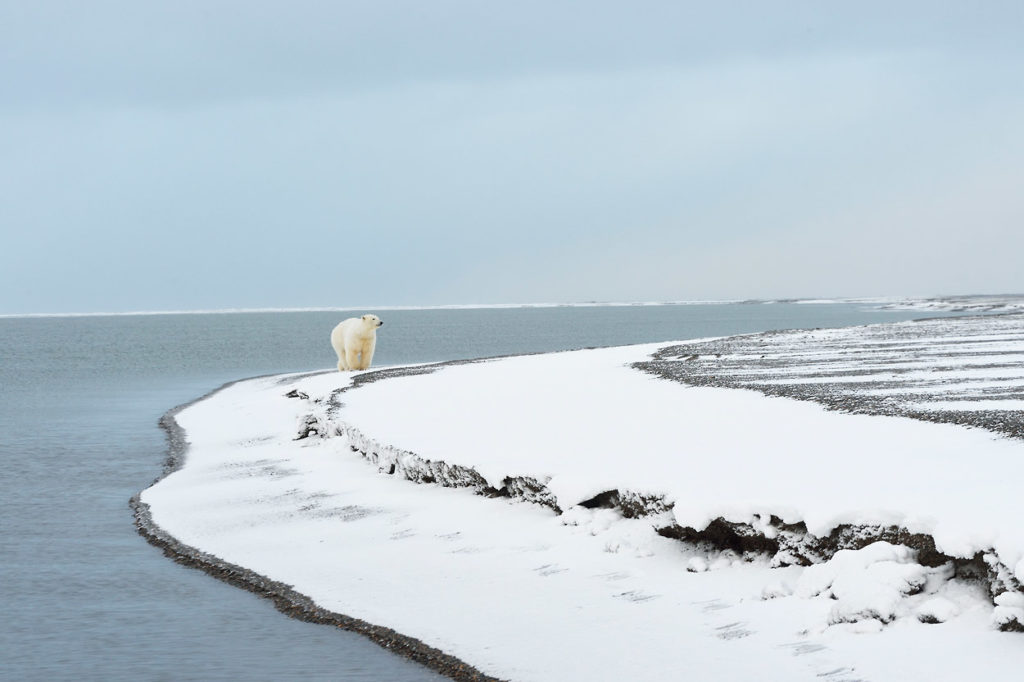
[(354, 340)]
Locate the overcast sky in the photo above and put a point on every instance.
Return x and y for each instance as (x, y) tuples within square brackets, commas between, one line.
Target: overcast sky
[(206, 155)]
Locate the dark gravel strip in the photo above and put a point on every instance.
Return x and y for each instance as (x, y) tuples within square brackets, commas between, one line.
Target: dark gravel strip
[(758, 361)]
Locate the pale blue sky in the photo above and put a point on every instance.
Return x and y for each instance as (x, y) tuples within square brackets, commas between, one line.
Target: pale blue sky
[(200, 155)]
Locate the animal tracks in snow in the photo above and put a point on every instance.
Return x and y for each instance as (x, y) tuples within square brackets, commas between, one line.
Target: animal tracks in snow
[(636, 596), (825, 668), (403, 534), (549, 569), (713, 605), (733, 631)]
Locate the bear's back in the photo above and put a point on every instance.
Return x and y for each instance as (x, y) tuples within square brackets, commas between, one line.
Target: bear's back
[(353, 326), (339, 331)]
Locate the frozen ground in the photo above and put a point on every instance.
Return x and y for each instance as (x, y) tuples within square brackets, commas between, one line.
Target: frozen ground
[(974, 304), (576, 516)]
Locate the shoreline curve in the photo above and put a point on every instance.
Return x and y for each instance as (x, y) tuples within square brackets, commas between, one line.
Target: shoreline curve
[(285, 599)]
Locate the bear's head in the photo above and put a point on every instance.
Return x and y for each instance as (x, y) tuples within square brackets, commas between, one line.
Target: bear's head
[(372, 321)]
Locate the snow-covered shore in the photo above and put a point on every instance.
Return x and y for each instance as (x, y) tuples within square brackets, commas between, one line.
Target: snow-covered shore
[(964, 304), (673, 525)]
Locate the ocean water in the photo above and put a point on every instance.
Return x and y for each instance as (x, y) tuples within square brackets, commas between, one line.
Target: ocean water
[(85, 598)]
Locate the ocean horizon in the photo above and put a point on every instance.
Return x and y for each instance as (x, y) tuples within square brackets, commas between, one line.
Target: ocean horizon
[(869, 300)]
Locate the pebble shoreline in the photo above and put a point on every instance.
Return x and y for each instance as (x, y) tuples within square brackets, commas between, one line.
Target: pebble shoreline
[(893, 370)]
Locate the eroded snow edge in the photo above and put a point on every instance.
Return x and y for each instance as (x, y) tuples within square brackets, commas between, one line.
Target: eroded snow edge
[(763, 536)]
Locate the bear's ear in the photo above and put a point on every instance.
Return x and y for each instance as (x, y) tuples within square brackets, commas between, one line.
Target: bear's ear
[(363, 318)]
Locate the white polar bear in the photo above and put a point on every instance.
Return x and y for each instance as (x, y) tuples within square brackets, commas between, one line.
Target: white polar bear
[(354, 340)]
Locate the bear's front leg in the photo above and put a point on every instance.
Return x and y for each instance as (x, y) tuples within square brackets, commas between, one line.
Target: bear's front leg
[(352, 358), (366, 355)]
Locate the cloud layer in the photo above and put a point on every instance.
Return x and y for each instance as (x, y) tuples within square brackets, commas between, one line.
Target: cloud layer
[(241, 155)]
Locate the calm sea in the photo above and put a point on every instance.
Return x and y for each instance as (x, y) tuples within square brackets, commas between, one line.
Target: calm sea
[(85, 597)]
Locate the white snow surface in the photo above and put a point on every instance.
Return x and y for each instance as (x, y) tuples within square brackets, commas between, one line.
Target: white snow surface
[(586, 422), (525, 594)]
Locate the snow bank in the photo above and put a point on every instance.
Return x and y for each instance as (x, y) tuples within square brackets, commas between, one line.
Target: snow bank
[(585, 422), (911, 529), (873, 583)]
